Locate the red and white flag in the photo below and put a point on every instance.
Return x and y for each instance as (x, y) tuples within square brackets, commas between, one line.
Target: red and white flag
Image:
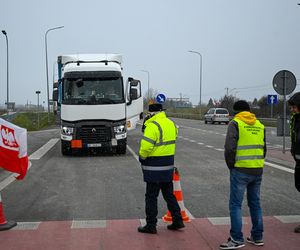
[(13, 148)]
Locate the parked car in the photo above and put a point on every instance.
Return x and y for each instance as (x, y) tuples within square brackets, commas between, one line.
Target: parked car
[(219, 115)]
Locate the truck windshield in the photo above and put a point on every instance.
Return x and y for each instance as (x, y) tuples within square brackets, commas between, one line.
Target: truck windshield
[(91, 91)]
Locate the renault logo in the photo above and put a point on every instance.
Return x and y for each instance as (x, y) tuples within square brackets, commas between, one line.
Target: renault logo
[(94, 130)]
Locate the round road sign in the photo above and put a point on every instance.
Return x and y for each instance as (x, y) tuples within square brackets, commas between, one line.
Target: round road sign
[(284, 82)]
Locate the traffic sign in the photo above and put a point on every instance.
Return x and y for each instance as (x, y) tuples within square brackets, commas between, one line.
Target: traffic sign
[(284, 82), (161, 98), (272, 99)]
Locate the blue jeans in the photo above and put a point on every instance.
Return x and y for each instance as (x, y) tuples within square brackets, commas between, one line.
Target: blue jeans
[(239, 182)]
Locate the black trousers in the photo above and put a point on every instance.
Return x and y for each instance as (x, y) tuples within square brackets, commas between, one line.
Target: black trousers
[(152, 192), (297, 176)]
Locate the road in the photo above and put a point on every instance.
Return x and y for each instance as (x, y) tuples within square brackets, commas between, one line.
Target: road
[(109, 187)]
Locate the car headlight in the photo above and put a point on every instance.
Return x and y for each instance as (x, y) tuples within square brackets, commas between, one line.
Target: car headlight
[(119, 129), (67, 130)]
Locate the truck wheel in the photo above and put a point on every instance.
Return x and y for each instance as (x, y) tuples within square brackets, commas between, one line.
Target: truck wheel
[(121, 149), (65, 148)]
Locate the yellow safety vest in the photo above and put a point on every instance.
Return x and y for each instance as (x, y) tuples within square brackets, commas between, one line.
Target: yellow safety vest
[(250, 145), (159, 137)]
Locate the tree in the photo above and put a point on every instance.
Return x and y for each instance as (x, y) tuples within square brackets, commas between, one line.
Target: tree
[(210, 103), (227, 102), (255, 102)]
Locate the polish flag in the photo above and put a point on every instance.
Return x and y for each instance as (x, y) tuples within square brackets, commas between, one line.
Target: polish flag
[(13, 148)]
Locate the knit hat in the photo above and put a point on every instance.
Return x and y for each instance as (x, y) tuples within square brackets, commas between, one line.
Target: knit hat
[(240, 106), (295, 100), (156, 107)]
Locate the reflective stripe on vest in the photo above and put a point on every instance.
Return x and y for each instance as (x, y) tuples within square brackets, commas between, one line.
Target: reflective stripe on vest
[(160, 143), (250, 146), (157, 168)]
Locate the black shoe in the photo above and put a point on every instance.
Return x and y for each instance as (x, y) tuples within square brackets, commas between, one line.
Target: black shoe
[(176, 225), (8, 225), (297, 229), (148, 230)]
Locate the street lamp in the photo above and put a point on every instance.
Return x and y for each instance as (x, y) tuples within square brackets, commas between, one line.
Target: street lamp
[(47, 68), (7, 88), (148, 82), (196, 52), (38, 104)]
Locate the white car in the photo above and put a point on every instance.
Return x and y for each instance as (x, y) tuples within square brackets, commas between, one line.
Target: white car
[(219, 115)]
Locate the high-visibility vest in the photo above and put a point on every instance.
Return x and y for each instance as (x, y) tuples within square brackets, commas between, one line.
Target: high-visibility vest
[(250, 145), (157, 148)]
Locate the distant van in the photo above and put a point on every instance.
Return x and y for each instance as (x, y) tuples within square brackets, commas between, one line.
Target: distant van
[(219, 115)]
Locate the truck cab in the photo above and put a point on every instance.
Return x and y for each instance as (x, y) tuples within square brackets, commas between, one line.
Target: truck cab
[(97, 107)]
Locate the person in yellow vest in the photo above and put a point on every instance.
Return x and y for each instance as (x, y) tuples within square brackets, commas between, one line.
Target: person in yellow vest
[(245, 150), (156, 154)]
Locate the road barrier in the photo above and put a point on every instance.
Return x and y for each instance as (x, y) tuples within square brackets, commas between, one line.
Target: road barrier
[(269, 122), (179, 197), (4, 224)]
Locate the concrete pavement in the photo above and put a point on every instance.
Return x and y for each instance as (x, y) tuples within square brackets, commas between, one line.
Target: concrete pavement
[(200, 233)]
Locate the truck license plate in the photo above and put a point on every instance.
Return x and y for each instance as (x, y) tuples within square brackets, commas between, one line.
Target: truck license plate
[(94, 145)]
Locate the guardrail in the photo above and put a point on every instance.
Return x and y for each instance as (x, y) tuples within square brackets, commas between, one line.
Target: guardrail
[(270, 122)]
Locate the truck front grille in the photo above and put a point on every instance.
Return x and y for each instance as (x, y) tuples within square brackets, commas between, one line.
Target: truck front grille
[(94, 134)]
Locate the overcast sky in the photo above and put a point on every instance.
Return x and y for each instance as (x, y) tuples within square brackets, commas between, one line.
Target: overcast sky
[(243, 43)]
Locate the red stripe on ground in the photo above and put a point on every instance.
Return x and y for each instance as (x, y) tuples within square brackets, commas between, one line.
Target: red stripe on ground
[(122, 234)]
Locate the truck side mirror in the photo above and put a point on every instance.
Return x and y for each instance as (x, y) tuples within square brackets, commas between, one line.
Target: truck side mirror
[(55, 95), (55, 85), (133, 93)]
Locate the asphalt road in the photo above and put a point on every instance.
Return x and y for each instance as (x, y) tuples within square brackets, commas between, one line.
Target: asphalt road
[(109, 187)]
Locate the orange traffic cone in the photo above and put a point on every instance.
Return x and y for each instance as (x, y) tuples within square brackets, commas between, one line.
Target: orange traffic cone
[(179, 197), (4, 224)]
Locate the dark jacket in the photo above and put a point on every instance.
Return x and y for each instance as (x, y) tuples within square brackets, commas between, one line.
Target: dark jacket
[(295, 136), (295, 127), (231, 141)]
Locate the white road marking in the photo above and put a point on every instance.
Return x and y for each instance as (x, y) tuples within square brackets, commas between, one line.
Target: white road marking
[(35, 156), (279, 167), (11, 178), (133, 153), (288, 218), (266, 163), (44, 149), (27, 226), (46, 130), (88, 224), (217, 221)]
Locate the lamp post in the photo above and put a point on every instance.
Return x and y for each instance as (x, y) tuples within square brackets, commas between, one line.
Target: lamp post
[(200, 56), (7, 87), (148, 82), (47, 67), (38, 104)]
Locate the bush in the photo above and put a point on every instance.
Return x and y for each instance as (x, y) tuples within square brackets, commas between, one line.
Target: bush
[(30, 120)]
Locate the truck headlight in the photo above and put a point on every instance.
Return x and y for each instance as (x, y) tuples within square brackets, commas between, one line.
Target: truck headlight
[(67, 130), (119, 129)]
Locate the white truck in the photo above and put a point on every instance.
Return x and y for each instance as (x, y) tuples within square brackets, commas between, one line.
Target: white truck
[(96, 106)]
